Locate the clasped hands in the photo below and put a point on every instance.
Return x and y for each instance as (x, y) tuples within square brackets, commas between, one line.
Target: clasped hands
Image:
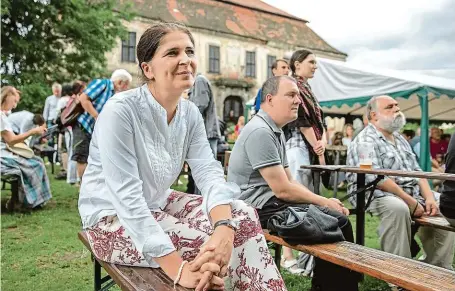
[(207, 270)]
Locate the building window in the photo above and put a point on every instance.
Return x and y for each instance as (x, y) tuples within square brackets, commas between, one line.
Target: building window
[(129, 48), (233, 109), (214, 59), (250, 70), (270, 61)]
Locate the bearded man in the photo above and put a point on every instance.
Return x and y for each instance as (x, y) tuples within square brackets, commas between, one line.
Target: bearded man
[(398, 199)]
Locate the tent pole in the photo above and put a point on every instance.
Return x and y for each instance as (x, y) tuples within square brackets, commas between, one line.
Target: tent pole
[(424, 138)]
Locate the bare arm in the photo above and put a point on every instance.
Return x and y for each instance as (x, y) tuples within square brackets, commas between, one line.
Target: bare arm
[(390, 186), (284, 189), (324, 137), (317, 145), (11, 139), (309, 134), (86, 103), (425, 189)]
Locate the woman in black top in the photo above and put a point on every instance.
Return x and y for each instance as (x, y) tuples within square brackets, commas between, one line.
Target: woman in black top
[(307, 134)]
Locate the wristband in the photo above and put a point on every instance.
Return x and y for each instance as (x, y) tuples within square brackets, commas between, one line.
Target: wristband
[(179, 274)]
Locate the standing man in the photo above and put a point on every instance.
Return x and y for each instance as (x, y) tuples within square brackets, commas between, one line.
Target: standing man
[(50, 112), (93, 100), (279, 68), (201, 95)]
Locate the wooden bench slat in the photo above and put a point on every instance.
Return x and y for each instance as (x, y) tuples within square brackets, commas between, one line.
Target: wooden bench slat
[(392, 173), (135, 278), (436, 222), (407, 273)]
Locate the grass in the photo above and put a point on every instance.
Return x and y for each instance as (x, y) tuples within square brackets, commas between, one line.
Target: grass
[(41, 251)]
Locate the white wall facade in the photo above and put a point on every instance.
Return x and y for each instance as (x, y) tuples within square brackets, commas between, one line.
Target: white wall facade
[(233, 50)]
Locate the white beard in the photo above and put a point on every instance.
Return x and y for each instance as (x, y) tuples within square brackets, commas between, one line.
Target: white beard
[(392, 124)]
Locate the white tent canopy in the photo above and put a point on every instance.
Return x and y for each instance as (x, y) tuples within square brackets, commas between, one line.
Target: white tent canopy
[(344, 88)]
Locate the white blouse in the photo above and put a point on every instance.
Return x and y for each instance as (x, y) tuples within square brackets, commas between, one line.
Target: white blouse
[(135, 156), (5, 125)]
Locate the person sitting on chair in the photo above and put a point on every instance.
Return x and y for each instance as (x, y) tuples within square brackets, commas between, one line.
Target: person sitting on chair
[(34, 188), (140, 142), (259, 165), (397, 200)]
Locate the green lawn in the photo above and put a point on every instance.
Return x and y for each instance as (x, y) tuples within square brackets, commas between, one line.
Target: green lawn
[(41, 252)]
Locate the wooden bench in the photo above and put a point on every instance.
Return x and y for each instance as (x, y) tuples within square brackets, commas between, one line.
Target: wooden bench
[(403, 272), (128, 278), (360, 210), (435, 221), (13, 180)]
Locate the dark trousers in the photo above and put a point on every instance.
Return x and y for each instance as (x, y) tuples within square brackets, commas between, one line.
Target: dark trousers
[(326, 276)]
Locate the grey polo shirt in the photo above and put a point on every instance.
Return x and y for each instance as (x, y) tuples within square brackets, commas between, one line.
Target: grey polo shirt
[(261, 144)]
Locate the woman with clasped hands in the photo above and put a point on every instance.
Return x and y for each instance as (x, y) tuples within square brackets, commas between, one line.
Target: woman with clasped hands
[(140, 142)]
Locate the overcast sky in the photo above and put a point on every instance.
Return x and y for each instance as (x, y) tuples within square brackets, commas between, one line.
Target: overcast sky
[(397, 34)]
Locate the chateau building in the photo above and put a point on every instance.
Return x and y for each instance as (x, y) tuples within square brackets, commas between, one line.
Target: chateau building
[(236, 43)]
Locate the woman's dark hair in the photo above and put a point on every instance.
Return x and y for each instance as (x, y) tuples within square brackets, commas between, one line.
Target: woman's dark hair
[(298, 56), (67, 90), (78, 87), (150, 40)]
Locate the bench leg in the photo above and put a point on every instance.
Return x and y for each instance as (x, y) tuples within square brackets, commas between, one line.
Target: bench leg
[(278, 249), (360, 225), (97, 274), (14, 195), (335, 185), (98, 280), (316, 181)]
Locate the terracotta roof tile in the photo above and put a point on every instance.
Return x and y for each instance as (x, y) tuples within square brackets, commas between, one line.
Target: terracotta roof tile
[(230, 18), (259, 5)]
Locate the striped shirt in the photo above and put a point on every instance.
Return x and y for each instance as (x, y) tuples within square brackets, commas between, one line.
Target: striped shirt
[(99, 91)]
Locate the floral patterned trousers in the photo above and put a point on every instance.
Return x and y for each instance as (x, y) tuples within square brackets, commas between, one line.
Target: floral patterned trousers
[(251, 266)]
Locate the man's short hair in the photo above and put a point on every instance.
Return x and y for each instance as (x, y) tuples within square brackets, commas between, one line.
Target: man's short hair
[(38, 119), (121, 75), (275, 63), (372, 105), (56, 86), (271, 86), (409, 132)]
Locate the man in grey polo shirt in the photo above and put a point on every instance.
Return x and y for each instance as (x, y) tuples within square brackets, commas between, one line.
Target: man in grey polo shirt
[(258, 164)]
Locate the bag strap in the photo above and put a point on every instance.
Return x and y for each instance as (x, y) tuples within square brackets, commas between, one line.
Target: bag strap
[(368, 187)]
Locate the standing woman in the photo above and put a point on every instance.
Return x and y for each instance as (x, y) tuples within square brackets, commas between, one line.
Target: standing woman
[(140, 142), (72, 93), (307, 142), (34, 189)]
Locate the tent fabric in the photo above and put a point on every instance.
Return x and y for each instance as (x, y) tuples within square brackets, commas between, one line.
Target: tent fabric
[(343, 88)]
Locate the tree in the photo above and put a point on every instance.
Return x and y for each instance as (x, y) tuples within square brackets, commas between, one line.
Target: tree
[(57, 40)]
